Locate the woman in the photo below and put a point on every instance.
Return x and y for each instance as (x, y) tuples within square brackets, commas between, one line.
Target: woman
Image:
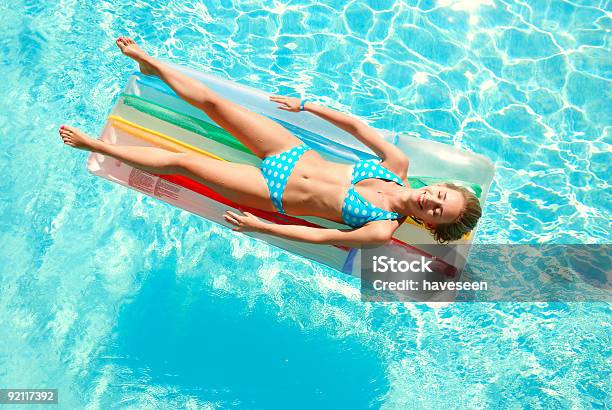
[(370, 196)]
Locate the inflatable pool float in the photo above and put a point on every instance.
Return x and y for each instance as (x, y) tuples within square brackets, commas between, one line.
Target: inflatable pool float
[(149, 113)]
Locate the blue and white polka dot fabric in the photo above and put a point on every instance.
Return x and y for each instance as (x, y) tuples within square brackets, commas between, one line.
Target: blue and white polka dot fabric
[(276, 170), (356, 210)]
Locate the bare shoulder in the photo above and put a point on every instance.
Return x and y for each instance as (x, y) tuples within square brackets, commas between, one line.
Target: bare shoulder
[(397, 164), (383, 229), (395, 161)]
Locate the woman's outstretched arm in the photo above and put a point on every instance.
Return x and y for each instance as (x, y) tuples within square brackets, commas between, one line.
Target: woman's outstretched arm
[(390, 154), (370, 234)]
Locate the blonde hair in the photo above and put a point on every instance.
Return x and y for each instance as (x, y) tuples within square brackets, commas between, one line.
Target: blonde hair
[(465, 222)]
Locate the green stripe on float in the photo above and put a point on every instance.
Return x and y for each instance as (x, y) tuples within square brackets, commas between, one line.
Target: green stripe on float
[(187, 122), (221, 136), (417, 182)]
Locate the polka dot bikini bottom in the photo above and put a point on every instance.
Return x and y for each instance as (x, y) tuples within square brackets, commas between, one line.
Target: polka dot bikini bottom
[(276, 170)]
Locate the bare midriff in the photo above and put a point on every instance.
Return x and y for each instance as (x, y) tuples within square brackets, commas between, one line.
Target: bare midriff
[(317, 187)]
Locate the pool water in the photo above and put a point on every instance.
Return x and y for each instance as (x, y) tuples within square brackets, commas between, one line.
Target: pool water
[(121, 301)]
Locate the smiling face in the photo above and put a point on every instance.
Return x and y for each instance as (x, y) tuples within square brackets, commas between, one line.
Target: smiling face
[(436, 204)]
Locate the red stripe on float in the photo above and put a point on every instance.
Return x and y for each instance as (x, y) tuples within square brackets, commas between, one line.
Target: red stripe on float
[(281, 219), (269, 216)]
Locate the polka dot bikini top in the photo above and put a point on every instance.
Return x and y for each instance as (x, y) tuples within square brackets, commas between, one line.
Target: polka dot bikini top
[(356, 210)]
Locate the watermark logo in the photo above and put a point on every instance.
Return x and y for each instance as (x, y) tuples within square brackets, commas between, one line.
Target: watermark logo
[(492, 273), (385, 264)]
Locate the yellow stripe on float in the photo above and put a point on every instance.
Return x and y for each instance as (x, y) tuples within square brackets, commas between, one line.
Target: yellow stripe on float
[(409, 221), (172, 143), (140, 132)]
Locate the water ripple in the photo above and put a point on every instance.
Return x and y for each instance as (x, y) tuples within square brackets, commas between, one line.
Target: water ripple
[(120, 292)]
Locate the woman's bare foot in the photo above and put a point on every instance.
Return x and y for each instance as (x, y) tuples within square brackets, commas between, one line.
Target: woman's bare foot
[(76, 138), (131, 49)]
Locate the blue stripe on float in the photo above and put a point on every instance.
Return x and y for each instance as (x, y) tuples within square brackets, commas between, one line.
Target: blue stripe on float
[(348, 263)]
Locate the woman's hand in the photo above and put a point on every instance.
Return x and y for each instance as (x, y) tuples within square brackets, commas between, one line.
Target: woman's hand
[(247, 222), (287, 103)]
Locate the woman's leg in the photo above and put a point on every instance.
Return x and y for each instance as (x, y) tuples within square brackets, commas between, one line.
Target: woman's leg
[(240, 183), (261, 135)]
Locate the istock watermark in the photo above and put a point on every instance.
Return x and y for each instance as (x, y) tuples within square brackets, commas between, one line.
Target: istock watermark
[(385, 264), (488, 273)]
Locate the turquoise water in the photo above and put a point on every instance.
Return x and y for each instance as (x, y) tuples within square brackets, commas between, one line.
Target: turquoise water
[(119, 300)]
